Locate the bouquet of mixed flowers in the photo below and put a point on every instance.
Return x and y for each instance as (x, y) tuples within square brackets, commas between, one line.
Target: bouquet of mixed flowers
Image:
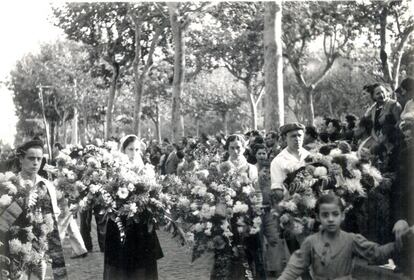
[(27, 242), (84, 172), (130, 195), (337, 170), (219, 208)]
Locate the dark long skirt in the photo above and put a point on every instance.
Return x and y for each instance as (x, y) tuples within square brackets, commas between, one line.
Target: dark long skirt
[(136, 258)]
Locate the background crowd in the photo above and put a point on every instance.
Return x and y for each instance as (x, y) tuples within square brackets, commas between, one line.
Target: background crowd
[(382, 136)]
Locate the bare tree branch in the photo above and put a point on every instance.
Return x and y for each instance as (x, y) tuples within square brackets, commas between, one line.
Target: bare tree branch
[(160, 10)]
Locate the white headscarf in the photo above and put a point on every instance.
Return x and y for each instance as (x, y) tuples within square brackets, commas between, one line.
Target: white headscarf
[(138, 162)]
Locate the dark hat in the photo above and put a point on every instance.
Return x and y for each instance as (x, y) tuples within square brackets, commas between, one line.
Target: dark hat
[(30, 144), (290, 127)]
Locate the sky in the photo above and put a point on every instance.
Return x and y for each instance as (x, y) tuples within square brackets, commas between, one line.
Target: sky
[(23, 26)]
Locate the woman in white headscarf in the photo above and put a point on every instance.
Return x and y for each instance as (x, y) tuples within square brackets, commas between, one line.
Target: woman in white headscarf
[(136, 257)]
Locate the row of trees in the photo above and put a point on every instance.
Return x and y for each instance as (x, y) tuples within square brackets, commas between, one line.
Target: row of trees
[(201, 65)]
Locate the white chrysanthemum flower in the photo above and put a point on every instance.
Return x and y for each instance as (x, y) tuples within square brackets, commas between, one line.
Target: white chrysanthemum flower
[(199, 227), (122, 193), (335, 152), (80, 185), (254, 230), (9, 176), (354, 186), (257, 221), (248, 190), (288, 205), (83, 203), (231, 192), (5, 200), (131, 187), (320, 171), (184, 201), (240, 207), (94, 188), (133, 208), (12, 189)]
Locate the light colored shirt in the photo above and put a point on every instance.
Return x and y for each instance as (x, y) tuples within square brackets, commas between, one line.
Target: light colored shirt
[(408, 112), (334, 260), (283, 164)]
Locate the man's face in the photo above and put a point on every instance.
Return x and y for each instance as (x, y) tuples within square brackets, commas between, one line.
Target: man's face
[(270, 141), (402, 96), (331, 128), (170, 148), (294, 139), (31, 161), (379, 95), (180, 143)]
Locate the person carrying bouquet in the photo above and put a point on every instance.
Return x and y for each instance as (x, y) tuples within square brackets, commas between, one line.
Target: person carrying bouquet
[(29, 223)]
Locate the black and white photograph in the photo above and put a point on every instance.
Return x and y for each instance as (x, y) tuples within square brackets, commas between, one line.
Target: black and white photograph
[(194, 140)]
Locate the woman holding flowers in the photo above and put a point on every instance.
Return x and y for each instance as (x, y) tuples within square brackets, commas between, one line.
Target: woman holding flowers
[(31, 232), (244, 258), (135, 255)]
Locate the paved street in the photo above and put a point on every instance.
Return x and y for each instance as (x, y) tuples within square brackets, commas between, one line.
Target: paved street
[(176, 264)]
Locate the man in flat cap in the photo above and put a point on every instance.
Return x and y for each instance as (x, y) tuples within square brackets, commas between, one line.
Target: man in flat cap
[(290, 158)]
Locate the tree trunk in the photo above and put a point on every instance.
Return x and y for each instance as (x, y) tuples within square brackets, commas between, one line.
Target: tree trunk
[(253, 109), (158, 122), (84, 128), (310, 114), (273, 66), (179, 68), (110, 103), (65, 133), (57, 134), (383, 39), (197, 126), (139, 78), (225, 126), (331, 112), (75, 126), (52, 133)]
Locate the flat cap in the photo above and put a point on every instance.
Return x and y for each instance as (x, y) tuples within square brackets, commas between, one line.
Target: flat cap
[(30, 144), (290, 127)]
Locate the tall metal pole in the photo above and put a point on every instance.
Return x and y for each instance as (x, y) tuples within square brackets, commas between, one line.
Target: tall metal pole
[(49, 148)]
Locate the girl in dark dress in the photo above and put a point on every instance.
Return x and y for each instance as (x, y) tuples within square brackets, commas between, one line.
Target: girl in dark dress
[(136, 257)]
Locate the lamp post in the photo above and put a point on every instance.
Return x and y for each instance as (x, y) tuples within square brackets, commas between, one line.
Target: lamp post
[(42, 105)]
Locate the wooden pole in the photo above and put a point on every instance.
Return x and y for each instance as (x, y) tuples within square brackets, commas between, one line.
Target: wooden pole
[(49, 148)]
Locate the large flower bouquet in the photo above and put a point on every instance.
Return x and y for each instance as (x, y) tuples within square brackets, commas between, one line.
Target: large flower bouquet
[(219, 208), (81, 171), (130, 194), (27, 238), (339, 171)]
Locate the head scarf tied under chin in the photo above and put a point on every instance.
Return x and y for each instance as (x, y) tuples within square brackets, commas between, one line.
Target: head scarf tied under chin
[(138, 164), (127, 139)]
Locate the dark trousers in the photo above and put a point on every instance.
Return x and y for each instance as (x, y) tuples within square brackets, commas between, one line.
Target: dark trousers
[(85, 228), (254, 254)]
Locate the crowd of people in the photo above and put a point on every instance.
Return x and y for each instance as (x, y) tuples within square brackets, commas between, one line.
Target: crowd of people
[(382, 136)]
